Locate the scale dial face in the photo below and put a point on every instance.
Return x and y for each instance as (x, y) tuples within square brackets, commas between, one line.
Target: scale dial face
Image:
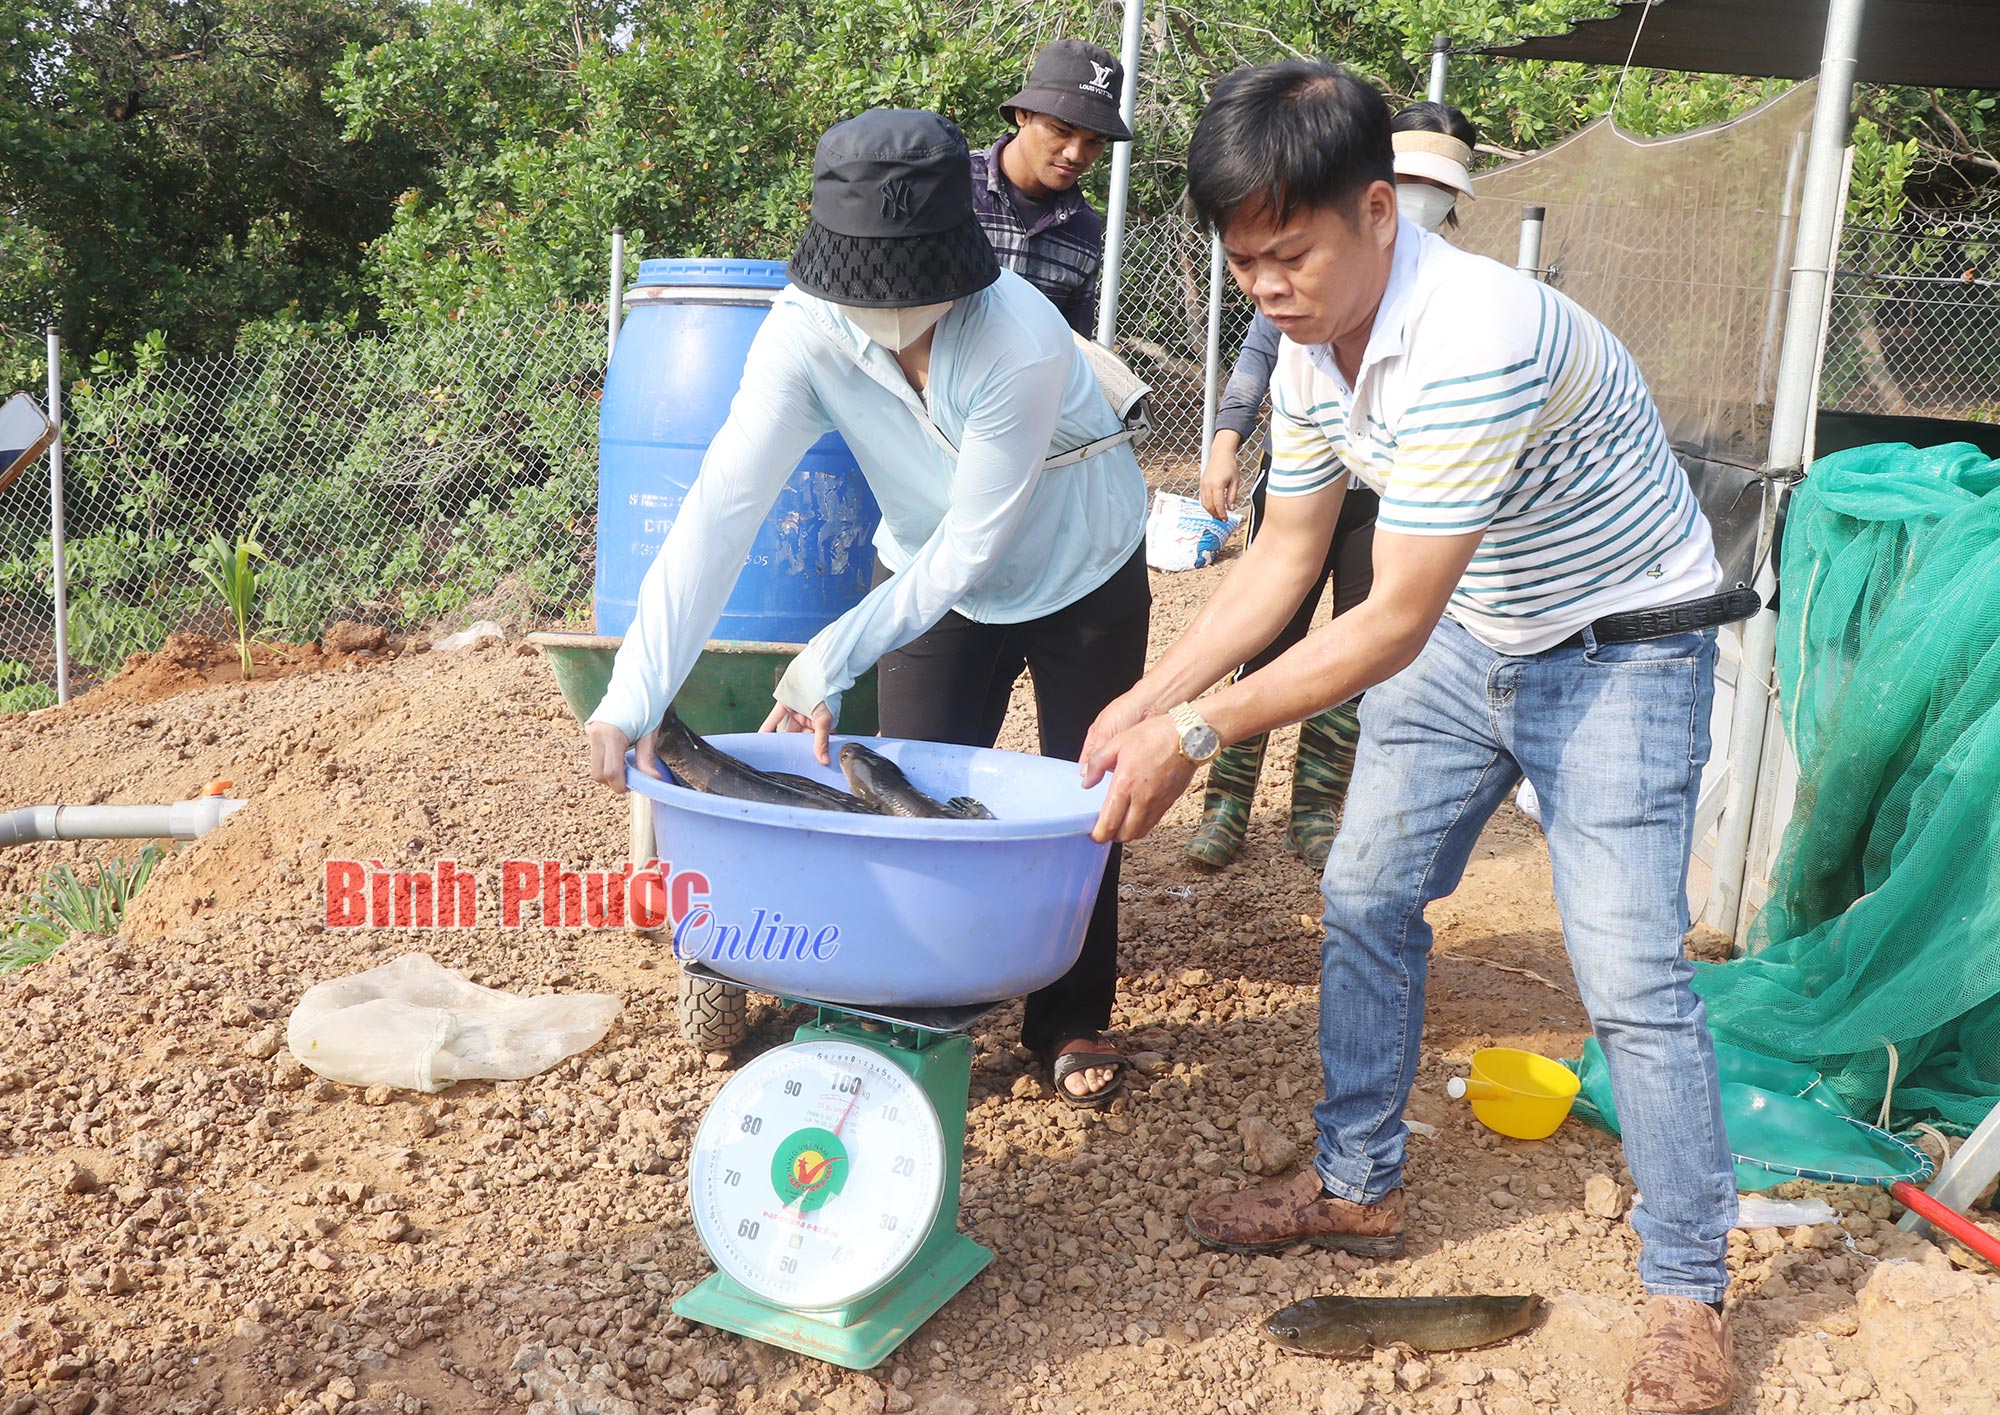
[(816, 1174)]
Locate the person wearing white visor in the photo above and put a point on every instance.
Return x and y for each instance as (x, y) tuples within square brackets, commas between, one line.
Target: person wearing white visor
[(1433, 146)]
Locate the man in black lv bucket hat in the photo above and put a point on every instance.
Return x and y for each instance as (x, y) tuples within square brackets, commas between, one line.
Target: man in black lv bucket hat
[(1025, 185), (1012, 508)]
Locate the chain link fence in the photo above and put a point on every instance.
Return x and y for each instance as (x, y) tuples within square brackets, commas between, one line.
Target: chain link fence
[(415, 479), (1914, 329), (401, 479), (1163, 333), (424, 477)]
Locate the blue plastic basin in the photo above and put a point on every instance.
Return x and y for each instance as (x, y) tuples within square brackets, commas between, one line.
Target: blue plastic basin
[(833, 907)]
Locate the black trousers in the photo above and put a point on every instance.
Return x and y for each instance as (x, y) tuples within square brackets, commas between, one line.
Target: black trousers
[(1349, 567), (952, 684)]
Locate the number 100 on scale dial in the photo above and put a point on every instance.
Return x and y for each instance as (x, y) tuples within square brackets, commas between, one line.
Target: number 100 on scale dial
[(817, 1173)]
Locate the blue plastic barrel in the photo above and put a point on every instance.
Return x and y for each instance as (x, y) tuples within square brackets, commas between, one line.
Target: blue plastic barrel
[(687, 330)]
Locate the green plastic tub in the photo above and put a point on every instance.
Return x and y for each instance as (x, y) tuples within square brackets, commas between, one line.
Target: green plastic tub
[(728, 691)]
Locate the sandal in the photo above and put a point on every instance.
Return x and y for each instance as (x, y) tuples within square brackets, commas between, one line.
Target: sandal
[(1067, 1064)]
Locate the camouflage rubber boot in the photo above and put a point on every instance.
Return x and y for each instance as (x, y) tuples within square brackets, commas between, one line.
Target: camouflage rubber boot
[(1225, 810), (1319, 781)]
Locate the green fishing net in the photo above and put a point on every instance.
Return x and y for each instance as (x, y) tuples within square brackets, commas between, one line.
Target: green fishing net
[(1882, 927), (1783, 1122)]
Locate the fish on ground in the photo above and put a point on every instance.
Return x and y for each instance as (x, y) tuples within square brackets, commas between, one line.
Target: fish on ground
[(1346, 1326)]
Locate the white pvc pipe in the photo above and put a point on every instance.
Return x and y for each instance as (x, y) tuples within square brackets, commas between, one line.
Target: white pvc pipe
[(1440, 50), (1792, 411), (1211, 366), (183, 820), (614, 307), (1121, 181), (59, 568)]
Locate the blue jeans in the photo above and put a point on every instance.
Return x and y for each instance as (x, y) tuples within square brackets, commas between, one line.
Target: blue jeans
[(1614, 737)]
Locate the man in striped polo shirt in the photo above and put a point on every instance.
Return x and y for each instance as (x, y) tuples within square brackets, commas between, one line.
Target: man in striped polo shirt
[(1544, 594)]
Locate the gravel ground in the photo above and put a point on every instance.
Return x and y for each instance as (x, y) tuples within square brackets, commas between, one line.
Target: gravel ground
[(191, 1221)]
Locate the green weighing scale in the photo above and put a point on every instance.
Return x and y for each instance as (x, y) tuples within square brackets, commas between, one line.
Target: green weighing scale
[(824, 1183)]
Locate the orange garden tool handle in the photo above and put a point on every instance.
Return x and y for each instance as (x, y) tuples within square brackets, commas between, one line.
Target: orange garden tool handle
[(1957, 1225)]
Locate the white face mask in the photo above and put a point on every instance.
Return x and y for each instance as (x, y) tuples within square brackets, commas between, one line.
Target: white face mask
[(1426, 205), (895, 329)]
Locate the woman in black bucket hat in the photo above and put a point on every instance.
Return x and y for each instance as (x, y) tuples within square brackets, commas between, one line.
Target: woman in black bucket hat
[(892, 221), (1012, 508)]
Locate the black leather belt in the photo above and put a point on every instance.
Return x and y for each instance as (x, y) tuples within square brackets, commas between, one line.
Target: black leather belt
[(1704, 613)]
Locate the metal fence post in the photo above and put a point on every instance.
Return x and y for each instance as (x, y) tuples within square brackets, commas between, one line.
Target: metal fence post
[(1529, 259), (59, 568), (1440, 50), (614, 307), (1121, 181), (1211, 368), (1774, 308), (1793, 409)]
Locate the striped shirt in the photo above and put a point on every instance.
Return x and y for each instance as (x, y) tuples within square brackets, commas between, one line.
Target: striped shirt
[(1059, 250), (1486, 401)]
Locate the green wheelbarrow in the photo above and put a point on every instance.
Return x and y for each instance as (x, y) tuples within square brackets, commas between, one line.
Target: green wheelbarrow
[(729, 690)]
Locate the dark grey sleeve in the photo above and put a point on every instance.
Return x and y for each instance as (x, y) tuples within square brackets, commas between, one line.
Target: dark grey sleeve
[(1243, 396), (1080, 309)]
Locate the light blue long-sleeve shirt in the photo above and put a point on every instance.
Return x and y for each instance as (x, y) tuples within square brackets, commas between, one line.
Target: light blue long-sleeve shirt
[(991, 534)]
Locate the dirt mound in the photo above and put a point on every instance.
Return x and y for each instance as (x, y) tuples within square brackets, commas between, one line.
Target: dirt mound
[(188, 661), (191, 1222)]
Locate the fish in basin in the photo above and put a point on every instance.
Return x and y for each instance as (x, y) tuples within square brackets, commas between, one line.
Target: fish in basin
[(704, 768), (879, 781)]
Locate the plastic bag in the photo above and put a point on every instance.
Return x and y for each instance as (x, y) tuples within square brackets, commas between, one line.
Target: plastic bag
[(418, 1026), (1756, 1211), (1180, 535), (466, 638)]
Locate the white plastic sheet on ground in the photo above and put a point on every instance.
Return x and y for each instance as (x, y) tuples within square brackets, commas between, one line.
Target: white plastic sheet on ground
[(419, 1026)]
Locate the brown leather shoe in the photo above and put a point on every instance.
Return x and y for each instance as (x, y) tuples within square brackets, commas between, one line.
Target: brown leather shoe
[(1684, 1365), (1267, 1217)]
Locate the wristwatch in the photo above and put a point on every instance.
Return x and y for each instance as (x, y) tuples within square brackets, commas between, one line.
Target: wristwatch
[(1198, 740)]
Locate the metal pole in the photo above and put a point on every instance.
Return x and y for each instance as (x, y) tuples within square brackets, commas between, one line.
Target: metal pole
[(1775, 308), (1529, 258), (1211, 368), (614, 307), (59, 568), (1440, 50), (1809, 451), (1121, 180), (1792, 412)]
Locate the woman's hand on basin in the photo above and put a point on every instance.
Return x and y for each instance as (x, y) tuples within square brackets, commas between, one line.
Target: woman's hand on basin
[(820, 724), (608, 746)]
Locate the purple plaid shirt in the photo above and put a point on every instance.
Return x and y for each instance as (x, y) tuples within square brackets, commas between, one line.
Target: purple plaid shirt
[(1060, 254)]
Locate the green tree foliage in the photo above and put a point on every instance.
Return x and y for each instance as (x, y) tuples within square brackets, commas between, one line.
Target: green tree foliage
[(188, 165), (174, 164), (546, 122)]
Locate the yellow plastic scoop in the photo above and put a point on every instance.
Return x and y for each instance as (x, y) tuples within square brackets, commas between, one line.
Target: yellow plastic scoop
[(1517, 1093)]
